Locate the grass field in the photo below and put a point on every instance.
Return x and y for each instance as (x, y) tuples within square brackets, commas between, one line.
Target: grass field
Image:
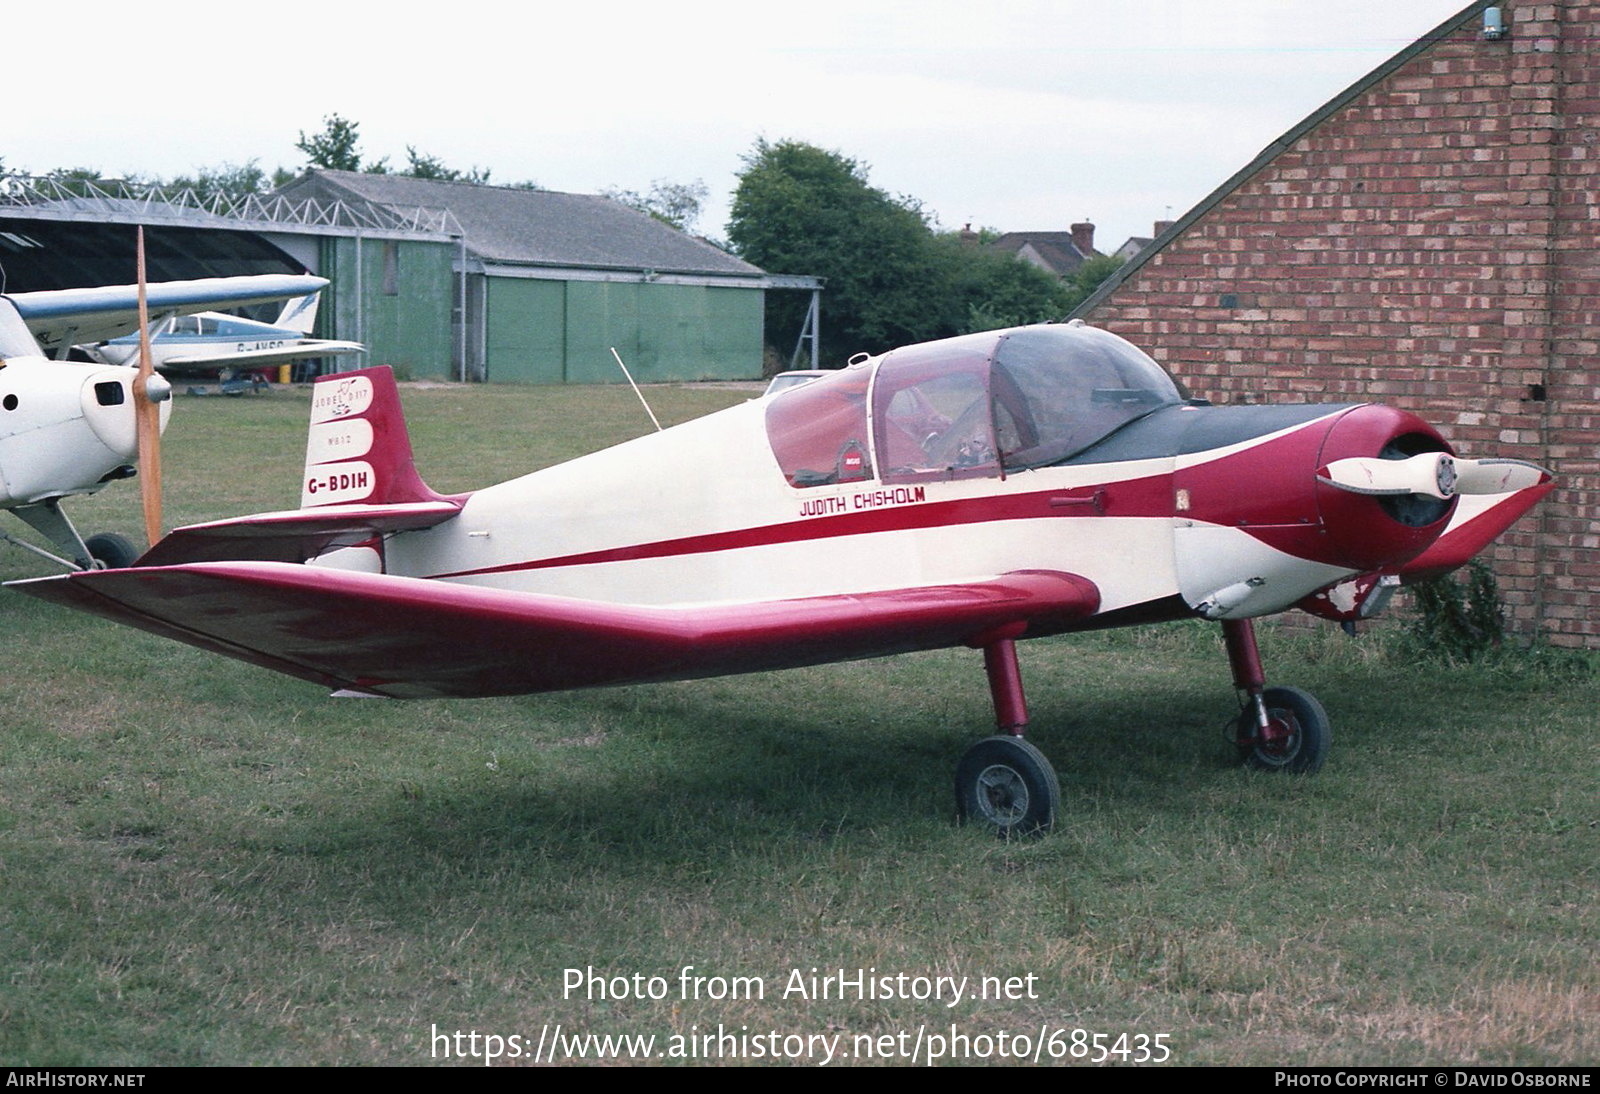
[(204, 863)]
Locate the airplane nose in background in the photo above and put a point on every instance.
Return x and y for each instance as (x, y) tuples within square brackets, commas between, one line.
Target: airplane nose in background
[(108, 406)]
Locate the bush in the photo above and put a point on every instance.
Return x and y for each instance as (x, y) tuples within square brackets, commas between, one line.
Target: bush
[(1456, 620)]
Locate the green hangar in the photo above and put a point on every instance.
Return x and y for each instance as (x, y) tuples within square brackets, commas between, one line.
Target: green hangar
[(551, 283), (443, 280)]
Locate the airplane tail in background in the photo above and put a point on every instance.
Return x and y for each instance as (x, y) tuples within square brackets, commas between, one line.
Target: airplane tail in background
[(358, 450), (299, 314)]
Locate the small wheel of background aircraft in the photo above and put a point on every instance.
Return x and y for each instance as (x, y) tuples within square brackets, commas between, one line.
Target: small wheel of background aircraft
[(971, 492)]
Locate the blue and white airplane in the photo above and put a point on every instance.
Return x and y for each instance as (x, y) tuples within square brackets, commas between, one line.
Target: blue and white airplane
[(212, 343), (69, 428)]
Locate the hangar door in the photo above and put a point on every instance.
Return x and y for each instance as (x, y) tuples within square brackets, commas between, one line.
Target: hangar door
[(551, 332)]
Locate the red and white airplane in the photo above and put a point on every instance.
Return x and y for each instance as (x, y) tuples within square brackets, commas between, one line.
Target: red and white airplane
[(968, 492)]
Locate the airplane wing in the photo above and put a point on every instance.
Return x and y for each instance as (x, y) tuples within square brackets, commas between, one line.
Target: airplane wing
[(411, 637), (260, 358), (66, 317)]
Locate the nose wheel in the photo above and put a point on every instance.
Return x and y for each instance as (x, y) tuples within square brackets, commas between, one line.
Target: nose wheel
[(1293, 737), (1279, 729)]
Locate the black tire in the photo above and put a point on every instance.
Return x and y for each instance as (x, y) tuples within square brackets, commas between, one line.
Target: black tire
[(111, 551), (1007, 784), (1301, 733)]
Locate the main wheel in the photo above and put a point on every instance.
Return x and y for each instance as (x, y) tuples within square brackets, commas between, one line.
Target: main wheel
[(1296, 738), (1006, 783), (111, 551)]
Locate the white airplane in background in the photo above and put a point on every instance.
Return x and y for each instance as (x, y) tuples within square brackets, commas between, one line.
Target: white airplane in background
[(69, 428), (214, 343)]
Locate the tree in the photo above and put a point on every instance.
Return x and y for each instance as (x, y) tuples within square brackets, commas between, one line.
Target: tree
[(87, 180), (995, 289), (228, 180), (1087, 278), (335, 147), (890, 278), (421, 166), (676, 203), (800, 209)]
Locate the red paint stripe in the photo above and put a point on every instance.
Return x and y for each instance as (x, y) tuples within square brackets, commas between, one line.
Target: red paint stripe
[(1145, 497), (1233, 474)]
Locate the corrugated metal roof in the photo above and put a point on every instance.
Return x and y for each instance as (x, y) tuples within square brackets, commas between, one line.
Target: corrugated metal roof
[(514, 226)]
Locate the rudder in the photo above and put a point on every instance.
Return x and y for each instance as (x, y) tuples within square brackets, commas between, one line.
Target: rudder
[(358, 449), (299, 314)]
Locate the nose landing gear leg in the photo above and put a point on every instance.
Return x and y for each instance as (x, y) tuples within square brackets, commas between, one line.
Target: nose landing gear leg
[(1279, 729)]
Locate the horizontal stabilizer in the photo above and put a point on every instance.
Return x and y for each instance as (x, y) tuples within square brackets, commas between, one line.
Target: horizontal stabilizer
[(294, 535), (1478, 519), (411, 637)]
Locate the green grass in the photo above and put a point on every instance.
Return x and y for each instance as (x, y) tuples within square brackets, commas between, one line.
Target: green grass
[(204, 863)]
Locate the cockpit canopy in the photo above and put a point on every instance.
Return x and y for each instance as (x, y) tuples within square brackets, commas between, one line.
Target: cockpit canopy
[(966, 407)]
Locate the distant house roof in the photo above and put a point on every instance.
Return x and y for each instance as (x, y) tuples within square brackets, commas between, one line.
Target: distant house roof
[(512, 226), (1133, 246), (1060, 253)]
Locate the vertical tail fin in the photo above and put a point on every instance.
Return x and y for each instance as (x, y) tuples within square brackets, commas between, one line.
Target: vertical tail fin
[(299, 314), (358, 449)]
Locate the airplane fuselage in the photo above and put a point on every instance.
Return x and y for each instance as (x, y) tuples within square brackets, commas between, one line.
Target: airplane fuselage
[(210, 342), (64, 428), (1181, 507)]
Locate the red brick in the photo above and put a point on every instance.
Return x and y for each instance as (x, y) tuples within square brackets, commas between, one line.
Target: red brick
[(1429, 242)]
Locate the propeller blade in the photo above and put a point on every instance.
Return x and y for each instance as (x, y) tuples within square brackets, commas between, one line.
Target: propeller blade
[(1431, 473), (149, 391), (1497, 476)]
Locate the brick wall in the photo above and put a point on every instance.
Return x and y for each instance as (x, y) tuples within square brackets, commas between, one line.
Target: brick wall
[(1429, 242)]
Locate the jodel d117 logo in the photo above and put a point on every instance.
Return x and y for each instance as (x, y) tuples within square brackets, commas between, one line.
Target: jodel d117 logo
[(335, 471)]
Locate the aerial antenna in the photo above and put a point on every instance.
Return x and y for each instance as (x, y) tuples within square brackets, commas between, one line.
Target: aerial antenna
[(635, 387)]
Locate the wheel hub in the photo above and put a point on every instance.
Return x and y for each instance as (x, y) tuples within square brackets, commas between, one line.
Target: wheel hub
[(1003, 794), (1279, 738)]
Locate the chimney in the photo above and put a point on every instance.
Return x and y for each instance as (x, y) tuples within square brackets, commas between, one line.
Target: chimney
[(1163, 225), (968, 237), (1083, 238)]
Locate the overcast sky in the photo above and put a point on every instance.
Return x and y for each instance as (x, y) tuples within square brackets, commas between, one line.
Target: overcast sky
[(1010, 114)]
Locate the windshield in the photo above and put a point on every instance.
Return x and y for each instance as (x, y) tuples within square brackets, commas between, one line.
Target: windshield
[(931, 415), (967, 407), (1062, 387)]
